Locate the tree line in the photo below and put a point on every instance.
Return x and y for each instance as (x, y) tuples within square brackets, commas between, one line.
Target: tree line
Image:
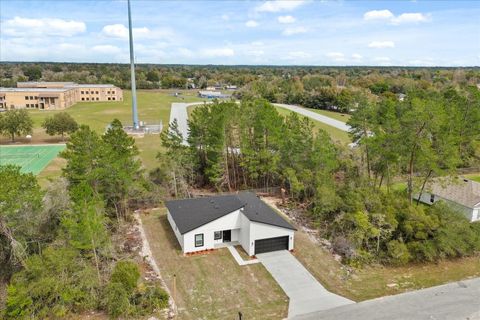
[(349, 193), (57, 246), (17, 122)]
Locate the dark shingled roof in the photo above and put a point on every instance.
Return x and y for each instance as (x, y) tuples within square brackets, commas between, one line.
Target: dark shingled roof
[(190, 214), (258, 211)]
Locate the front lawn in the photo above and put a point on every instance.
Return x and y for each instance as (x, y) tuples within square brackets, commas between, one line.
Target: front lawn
[(212, 286)]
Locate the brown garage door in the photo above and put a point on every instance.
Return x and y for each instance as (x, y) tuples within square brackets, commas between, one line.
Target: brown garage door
[(271, 244)]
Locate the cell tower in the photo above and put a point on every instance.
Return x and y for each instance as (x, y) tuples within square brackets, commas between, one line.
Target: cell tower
[(136, 125)]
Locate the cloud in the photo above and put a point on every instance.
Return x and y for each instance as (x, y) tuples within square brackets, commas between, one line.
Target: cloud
[(357, 57), (251, 23), (294, 30), (217, 52), (378, 15), (257, 43), (106, 49), (279, 5), (299, 55), (387, 15), (255, 53), (336, 56), (381, 44), (120, 31), (225, 17), (382, 60), (20, 27), (410, 18), (286, 19), (184, 52)]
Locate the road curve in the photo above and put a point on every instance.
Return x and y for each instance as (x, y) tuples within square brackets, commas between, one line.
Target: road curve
[(315, 116), (179, 111)]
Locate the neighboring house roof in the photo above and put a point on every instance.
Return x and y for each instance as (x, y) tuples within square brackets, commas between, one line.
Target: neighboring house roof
[(463, 191), (189, 214)]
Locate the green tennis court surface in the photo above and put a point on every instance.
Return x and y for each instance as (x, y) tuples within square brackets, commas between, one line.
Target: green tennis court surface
[(31, 158)]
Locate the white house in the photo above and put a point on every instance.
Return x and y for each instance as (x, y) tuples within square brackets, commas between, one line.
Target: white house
[(212, 222), (462, 194)]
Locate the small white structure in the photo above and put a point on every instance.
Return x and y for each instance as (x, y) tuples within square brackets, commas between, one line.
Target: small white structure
[(212, 222), (462, 194)]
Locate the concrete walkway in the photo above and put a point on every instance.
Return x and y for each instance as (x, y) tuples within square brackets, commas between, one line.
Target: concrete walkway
[(306, 294), (453, 301), (239, 259), (315, 116)]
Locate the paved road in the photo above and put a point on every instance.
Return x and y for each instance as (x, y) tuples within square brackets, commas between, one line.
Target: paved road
[(305, 292), (315, 116), (178, 111), (454, 301)]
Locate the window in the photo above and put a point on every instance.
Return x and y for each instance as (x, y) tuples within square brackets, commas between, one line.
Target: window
[(36, 105), (113, 98), (31, 97), (96, 92), (26, 97), (217, 235), (199, 240), (83, 99), (97, 99), (88, 98), (432, 198), (36, 98), (28, 106), (108, 98), (81, 92)]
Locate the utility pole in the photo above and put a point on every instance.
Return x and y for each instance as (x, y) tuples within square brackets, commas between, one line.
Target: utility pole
[(132, 70)]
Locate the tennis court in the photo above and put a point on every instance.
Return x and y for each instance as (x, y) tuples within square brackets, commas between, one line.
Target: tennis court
[(31, 158)]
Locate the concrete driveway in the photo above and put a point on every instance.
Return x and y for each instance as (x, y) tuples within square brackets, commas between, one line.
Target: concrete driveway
[(306, 294)]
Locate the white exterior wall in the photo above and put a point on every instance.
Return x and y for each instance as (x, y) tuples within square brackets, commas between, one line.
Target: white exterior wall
[(260, 231), (231, 221), (175, 229), (245, 233), (469, 213)]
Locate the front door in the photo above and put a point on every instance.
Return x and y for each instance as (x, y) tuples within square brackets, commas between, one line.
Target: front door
[(227, 235)]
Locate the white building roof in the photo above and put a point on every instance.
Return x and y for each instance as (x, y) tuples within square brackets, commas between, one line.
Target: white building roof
[(34, 89)]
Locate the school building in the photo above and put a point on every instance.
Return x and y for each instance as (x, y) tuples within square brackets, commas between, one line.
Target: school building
[(55, 95)]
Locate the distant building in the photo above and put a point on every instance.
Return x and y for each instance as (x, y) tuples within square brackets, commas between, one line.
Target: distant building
[(212, 94), (401, 96), (210, 88), (231, 87), (56, 95), (462, 194)]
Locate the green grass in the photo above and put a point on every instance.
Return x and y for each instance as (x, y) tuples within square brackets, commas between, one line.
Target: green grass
[(212, 286), (344, 117), (31, 159), (473, 176), (153, 107), (336, 134)]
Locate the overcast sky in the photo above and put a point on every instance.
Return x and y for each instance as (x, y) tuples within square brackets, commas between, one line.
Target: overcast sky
[(412, 33)]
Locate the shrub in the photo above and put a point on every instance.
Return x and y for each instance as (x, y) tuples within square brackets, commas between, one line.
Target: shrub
[(398, 252), (150, 299), (117, 300), (126, 273)]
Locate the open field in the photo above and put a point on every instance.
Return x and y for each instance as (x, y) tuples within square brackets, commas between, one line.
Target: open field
[(213, 286), (153, 107), (335, 134), (32, 159)]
